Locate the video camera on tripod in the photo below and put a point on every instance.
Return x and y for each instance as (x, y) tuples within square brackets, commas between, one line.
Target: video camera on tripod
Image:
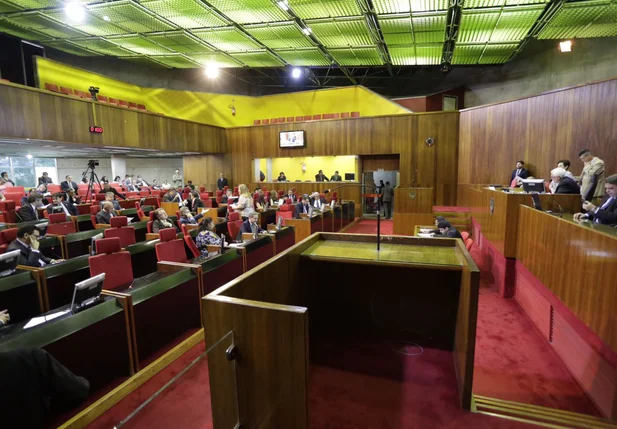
[(93, 91), (93, 163)]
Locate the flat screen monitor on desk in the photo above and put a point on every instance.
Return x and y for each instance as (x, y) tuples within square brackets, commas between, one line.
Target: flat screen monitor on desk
[(9, 262), (87, 293), (350, 176), (533, 185), (279, 223)]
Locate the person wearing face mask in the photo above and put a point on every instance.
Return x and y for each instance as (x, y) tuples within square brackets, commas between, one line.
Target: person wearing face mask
[(162, 222), (27, 242), (29, 211)]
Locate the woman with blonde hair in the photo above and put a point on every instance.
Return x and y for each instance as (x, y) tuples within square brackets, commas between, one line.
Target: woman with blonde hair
[(245, 203)]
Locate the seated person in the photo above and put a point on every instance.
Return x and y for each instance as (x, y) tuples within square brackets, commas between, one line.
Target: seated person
[(106, 213), (273, 199), (437, 231), (155, 186), (161, 221), (140, 182), (109, 196), (206, 236), (303, 207), (282, 177), (165, 186), (336, 177), (5, 317), (190, 185), (45, 179), (260, 202), (27, 242), (68, 209), (172, 197), (250, 226), (24, 200), (447, 230), (292, 196), (187, 218), (40, 388), (317, 201), (194, 202), (107, 188), (228, 198), (42, 189), (606, 212), (71, 198), (564, 184), (29, 211)]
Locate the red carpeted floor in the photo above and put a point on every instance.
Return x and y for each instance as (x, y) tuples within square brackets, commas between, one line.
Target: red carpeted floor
[(369, 226)]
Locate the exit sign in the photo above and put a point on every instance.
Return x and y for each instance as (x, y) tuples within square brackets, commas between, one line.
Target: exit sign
[(97, 130)]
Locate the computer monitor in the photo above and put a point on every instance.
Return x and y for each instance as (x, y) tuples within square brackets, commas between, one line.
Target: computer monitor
[(57, 209), (536, 201), (533, 185), (350, 176), (87, 293), (222, 243), (93, 244), (9, 262), (279, 222)]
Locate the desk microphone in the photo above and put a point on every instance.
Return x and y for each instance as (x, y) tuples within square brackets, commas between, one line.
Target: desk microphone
[(560, 208)]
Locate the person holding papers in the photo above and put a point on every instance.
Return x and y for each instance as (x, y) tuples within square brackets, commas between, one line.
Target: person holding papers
[(317, 201), (27, 242), (606, 211), (58, 206), (250, 226), (5, 317), (303, 207)]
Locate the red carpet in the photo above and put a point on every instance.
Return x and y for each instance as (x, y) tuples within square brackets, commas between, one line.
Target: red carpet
[(450, 209), (369, 226)]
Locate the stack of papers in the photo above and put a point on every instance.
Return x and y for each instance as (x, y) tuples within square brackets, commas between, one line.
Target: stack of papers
[(42, 319)]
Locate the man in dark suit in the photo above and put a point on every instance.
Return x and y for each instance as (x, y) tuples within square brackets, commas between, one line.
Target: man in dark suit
[(606, 212), (27, 242), (194, 202), (68, 184), (320, 177), (108, 188), (39, 387), (45, 179), (71, 198), (336, 177), (317, 201), (59, 206), (172, 197), (106, 213), (250, 226), (520, 171), (29, 211), (387, 196), (303, 207), (564, 184), (221, 182), (109, 196), (447, 230)]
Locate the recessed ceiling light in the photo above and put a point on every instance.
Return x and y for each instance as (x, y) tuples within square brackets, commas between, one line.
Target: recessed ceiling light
[(565, 46), (75, 12), (211, 71), (283, 4), (106, 18), (296, 72), (29, 156), (307, 31)]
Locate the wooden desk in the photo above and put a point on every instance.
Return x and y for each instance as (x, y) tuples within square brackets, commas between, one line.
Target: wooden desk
[(267, 310), (20, 294), (417, 228), (412, 206), (305, 227), (170, 208)]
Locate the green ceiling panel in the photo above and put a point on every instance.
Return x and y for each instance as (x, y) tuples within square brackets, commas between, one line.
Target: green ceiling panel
[(144, 61), (515, 24), (250, 11), (130, 16), (583, 19), (403, 55), (341, 32), (429, 29), (228, 39), (36, 4), (7, 7), (140, 45), (92, 25), (7, 27), (175, 61), (497, 54), (406, 6), (258, 59), (397, 31), (311, 9), (185, 13), (283, 35), (178, 41), (467, 54), (365, 56), (477, 26), (475, 4), (217, 58), (38, 22), (71, 48), (304, 57), (103, 46), (429, 54)]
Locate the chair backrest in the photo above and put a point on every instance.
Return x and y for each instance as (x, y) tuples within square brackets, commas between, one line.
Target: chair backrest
[(123, 103), (465, 236), (170, 248), (8, 235), (280, 193), (219, 199), (14, 196), (94, 209), (52, 87), (141, 214), (234, 216), (7, 205), (119, 221), (204, 195), (191, 245), (144, 193), (119, 229), (469, 243), (288, 201), (65, 90), (219, 193), (102, 99), (132, 105), (62, 228), (233, 227), (149, 226), (53, 188), (115, 263), (57, 218)]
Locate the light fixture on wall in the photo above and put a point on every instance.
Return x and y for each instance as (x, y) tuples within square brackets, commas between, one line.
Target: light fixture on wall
[(296, 73), (303, 165), (233, 108), (565, 46)]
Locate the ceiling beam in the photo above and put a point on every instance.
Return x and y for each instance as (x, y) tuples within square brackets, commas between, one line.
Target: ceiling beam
[(453, 22), (372, 22)]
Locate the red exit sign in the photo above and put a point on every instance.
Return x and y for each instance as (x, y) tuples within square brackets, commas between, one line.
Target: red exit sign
[(97, 130)]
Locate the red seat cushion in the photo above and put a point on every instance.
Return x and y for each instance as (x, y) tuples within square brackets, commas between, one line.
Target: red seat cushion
[(234, 228), (8, 235), (114, 263), (62, 228), (167, 234), (172, 251), (119, 221), (234, 216), (57, 218), (126, 234)]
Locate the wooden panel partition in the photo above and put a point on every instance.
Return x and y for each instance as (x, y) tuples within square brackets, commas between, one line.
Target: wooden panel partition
[(541, 130), (412, 206)]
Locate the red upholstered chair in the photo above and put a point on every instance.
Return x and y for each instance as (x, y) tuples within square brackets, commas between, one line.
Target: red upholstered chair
[(233, 216), (257, 122), (192, 246), (225, 188), (316, 117), (219, 199), (280, 192), (219, 193), (355, 114), (99, 197), (66, 91), (465, 236), (284, 212), (7, 211), (344, 115), (52, 87), (114, 262), (6, 237), (132, 194), (307, 117), (119, 228), (94, 209), (58, 224), (144, 193), (204, 195), (53, 188), (235, 190), (233, 227), (170, 248), (123, 103), (290, 119), (469, 243), (265, 121), (14, 196), (288, 201), (141, 107), (149, 227)]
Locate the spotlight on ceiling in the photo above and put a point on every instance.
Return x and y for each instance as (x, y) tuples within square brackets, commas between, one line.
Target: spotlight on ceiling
[(307, 31), (75, 12), (106, 18), (29, 156), (283, 4), (296, 73), (565, 46), (211, 71)]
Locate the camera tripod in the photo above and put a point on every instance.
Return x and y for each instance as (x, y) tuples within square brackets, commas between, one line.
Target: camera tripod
[(93, 178)]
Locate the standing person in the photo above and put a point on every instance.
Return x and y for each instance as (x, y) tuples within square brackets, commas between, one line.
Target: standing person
[(520, 171), (388, 195), (68, 184), (177, 178), (594, 166), (221, 182), (5, 176), (245, 202), (194, 202), (336, 177), (320, 177), (45, 179)]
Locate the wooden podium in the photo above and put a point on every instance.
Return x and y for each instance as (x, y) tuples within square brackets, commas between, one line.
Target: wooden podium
[(412, 206)]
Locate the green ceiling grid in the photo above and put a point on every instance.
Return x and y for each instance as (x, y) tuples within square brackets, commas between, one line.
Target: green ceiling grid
[(477, 26), (175, 61), (497, 54), (356, 56), (103, 46), (261, 58), (24, 33), (282, 35), (303, 57), (403, 55), (217, 58), (467, 54), (250, 11), (130, 16), (92, 25), (227, 39), (429, 28), (583, 19), (139, 45), (406, 6), (179, 41), (185, 13), (515, 24), (7, 7), (144, 61), (474, 4), (397, 31), (429, 54), (35, 4), (341, 32), (71, 48), (44, 24), (311, 9)]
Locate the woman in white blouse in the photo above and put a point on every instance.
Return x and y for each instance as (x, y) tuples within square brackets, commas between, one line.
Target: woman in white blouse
[(245, 202)]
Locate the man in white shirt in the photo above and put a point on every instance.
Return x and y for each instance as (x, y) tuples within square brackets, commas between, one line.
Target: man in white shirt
[(606, 211), (68, 209), (317, 201)]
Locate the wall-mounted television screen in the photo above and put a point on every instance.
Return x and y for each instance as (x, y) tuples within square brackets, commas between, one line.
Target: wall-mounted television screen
[(290, 139)]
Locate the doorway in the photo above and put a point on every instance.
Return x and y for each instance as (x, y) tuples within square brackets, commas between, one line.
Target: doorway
[(375, 178)]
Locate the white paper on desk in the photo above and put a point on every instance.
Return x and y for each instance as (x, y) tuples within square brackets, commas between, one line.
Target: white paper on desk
[(235, 245), (54, 315), (424, 235), (38, 320)]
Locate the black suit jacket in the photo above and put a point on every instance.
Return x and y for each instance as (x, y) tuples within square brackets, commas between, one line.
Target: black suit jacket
[(37, 386), (46, 181), (113, 191), (336, 178), (323, 201), (27, 256), (103, 217), (608, 216), (192, 206), (221, 183), (453, 233), (27, 213), (567, 186), (300, 209), (321, 178), (64, 186), (70, 207), (524, 174), (246, 229)]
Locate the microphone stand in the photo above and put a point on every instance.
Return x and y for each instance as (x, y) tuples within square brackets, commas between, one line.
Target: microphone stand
[(374, 188)]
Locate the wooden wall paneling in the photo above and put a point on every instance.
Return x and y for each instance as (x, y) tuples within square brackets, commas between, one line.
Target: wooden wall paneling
[(540, 130), (377, 162), (204, 170), (409, 212)]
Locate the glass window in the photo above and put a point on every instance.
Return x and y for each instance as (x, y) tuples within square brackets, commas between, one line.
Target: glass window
[(21, 161), (5, 164), (24, 176), (45, 162)]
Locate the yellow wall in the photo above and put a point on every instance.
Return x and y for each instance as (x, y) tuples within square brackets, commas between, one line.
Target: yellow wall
[(329, 164), (214, 109)]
